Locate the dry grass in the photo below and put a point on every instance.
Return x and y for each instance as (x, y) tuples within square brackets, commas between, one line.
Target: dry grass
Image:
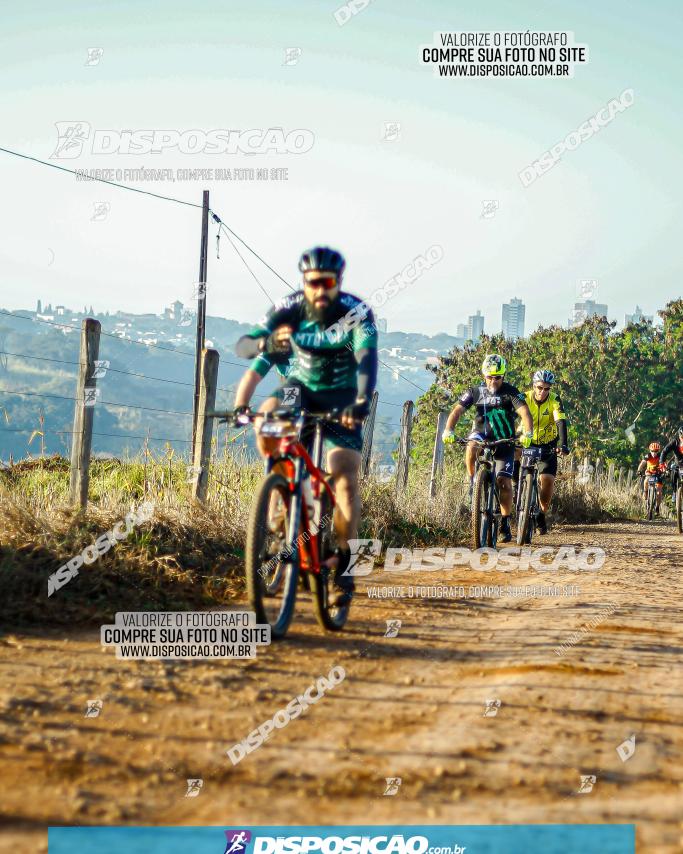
[(191, 555)]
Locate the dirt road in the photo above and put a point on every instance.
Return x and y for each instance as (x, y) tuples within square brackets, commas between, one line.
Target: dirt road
[(415, 706)]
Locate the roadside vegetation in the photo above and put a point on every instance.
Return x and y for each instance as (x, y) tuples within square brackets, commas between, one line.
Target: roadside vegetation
[(190, 555)]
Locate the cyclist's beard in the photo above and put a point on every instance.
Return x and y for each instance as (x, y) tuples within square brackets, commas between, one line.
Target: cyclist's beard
[(322, 313)]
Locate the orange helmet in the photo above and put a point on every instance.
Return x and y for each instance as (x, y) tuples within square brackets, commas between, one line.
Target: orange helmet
[(655, 447)]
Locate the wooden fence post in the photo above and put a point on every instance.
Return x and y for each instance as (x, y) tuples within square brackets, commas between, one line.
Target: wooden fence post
[(620, 479), (204, 426), (437, 456), (629, 479), (368, 429), (610, 474), (404, 446), (598, 472), (84, 411)]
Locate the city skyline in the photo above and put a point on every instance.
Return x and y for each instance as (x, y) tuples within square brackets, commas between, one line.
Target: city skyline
[(476, 323)]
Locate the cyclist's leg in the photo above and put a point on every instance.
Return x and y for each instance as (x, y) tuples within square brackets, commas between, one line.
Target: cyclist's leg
[(471, 451), (516, 470), (344, 465), (547, 470), (546, 485), (266, 446), (470, 458), (505, 464)]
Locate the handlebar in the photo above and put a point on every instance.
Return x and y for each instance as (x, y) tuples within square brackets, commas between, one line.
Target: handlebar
[(230, 417), (487, 443)]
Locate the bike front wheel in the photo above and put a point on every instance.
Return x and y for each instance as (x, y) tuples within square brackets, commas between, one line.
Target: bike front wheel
[(483, 533), (679, 509), (271, 565), (524, 520)]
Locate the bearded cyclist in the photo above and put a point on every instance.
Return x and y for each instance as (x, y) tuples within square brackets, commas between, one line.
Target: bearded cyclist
[(649, 465), (675, 445), (331, 340), (550, 426), (497, 402)]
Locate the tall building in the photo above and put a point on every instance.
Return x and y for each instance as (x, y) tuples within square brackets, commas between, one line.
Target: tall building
[(475, 326), (637, 317), (513, 319), (461, 331), (585, 309)]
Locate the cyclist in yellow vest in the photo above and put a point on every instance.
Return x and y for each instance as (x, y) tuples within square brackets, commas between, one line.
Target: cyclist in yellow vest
[(550, 428)]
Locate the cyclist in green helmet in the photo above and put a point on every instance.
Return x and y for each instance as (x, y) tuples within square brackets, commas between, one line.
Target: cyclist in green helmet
[(497, 403)]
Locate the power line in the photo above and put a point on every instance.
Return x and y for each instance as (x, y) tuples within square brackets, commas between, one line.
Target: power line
[(101, 180), (118, 338), (101, 402), (253, 252), (95, 433), (243, 260), (398, 373)]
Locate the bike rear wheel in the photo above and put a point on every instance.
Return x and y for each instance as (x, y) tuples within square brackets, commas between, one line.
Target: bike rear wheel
[(525, 505), (271, 565), (651, 501), (322, 585)]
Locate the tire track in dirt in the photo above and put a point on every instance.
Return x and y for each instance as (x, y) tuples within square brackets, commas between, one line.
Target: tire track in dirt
[(411, 707)]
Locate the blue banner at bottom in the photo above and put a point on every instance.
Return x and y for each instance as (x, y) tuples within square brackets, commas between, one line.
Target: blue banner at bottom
[(351, 839)]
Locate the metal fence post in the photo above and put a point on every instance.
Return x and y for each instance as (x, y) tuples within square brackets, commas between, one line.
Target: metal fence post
[(204, 425), (404, 446), (368, 429), (437, 457), (84, 411)]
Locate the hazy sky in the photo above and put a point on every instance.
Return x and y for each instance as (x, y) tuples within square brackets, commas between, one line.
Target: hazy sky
[(610, 210)]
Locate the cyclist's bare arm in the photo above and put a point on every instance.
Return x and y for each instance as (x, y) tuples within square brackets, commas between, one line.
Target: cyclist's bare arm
[(641, 467), (454, 416), (247, 387)]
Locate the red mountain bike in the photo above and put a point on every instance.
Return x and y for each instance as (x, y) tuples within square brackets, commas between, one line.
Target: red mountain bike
[(290, 524)]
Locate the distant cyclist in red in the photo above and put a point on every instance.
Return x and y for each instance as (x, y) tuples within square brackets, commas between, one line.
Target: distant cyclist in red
[(650, 465)]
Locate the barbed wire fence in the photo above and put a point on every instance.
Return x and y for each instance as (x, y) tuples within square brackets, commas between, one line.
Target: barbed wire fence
[(89, 367)]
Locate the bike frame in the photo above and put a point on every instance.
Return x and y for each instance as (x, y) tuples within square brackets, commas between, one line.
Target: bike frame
[(485, 458), (525, 469), (296, 458)]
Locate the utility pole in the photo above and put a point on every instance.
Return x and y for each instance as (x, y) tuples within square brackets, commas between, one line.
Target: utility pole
[(201, 313)]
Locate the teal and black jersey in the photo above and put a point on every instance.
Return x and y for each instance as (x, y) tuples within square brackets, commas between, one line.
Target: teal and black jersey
[(338, 354), (264, 362), (495, 411)]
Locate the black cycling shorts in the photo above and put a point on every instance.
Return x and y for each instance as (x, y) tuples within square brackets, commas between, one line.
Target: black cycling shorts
[(503, 455), (334, 435)]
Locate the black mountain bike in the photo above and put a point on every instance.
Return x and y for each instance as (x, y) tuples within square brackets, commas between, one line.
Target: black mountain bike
[(527, 495), (486, 513), (679, 500), (651, 495)]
